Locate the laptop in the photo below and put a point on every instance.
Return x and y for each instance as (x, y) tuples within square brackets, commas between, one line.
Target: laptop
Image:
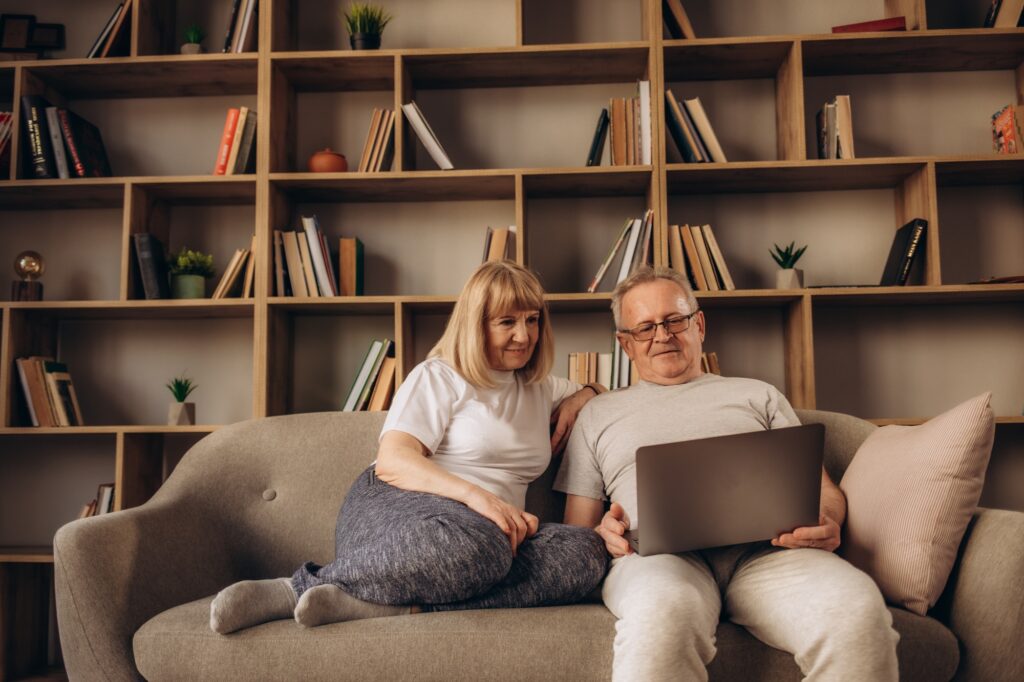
[(726, 490)]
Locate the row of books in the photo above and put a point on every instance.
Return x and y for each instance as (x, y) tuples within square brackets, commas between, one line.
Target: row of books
[(49, 392), (500, 244), (694, 251), (1006, 131), (243, 26), (590, 367), (1005, 14), (374, 384), (627, 121), (60, 143), (236, 154), (835, 129), (114, 39), (103, 503), (379, 148), (633, 248), (303, 265), (690, 128), (239, 275)]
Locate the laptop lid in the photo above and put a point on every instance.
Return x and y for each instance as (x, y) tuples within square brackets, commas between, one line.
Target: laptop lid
[(726, 490)]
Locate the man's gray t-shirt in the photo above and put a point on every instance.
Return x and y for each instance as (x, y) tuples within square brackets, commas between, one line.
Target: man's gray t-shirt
[(600, 458)]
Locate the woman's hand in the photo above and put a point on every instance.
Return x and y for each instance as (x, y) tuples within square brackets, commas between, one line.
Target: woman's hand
[(515, 523), (565, 415)]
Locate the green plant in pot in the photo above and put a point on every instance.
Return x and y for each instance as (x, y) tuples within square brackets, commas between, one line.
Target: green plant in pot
[(193, 40), (189, 271), (181, 413), (789, 277), (365, 23)]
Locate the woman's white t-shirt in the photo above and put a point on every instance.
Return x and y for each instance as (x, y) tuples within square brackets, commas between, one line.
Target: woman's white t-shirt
[(498, 438)]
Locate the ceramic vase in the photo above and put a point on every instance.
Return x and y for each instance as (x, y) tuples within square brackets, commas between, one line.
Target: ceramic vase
[(789, 278), (181, 414), (364, 41), (191, 48), (188, 286)]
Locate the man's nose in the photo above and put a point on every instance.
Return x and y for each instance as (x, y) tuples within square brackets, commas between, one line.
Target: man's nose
[(661, 334)]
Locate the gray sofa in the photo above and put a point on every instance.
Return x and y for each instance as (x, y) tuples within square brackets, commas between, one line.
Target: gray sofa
[(256, 499)]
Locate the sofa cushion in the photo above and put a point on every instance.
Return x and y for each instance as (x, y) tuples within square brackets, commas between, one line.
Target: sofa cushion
[(911, 491), (562, 642)]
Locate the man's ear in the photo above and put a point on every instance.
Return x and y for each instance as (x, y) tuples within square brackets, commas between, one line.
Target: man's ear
[(623, 340)]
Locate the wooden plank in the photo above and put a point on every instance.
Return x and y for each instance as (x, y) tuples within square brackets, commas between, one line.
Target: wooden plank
[(404, 344), (798, 341), (522, 229), (791, 176), (405, 143), (791, 143), (725, 59), (138, 468), (361, 70), (916, 198), (276, 133), (279, 389)]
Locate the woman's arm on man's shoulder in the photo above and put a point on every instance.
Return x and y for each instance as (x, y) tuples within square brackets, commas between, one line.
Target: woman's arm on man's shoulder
[(564, 415)]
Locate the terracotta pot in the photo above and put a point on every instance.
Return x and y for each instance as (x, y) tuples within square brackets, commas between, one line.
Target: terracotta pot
[(327, 161), (364, 41), (181, 414)]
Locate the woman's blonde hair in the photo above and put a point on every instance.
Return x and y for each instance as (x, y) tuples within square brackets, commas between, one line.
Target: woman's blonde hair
[(494, 288)]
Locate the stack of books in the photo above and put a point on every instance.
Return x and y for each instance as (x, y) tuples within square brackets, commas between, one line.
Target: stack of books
[(49, 392), (500, 244), (694, 251), (690, 128), (835, 129), (379, 148), (426, 134), (236, 154), (114, 39), (590, 367), (239, 274), (303, 265), (629, 129), (103, 503), (243, 27), (374, 384), (61, 144), (633, 248), (1006, 130)]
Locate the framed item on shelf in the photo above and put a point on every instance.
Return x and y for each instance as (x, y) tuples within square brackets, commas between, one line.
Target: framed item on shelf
[(15, 30), (47, 37)]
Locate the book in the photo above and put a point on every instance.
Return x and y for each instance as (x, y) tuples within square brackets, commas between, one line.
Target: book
[(497, 244), (704, 257), (364, 396), (384, 388), (149, 256), (603, 269), (62, 391), (645, 248), (101, 39), (279, 266), (296, 276), (236, 139), (232, 274), (618, 130), (887, 24), (250, 24), (385, 152), (36, 391), (693, 258), (362, 376), (676, 21), (703, 125), (844, 127), (249, 278), (629, 130), (644, 105), (676, 259), (376, 141), (246, 160), (597, 143), (320, 260), (1006, 130), (717, 258), (906, 244), (230, 122), (350, 266), (230, 33), (37, 137), (86, 152), (680, 131), (626, 266), (307, 266), (1008, 14), (371, 139), (713, 363), (118, 41), (57, 143), (104, 499), (426, 135)]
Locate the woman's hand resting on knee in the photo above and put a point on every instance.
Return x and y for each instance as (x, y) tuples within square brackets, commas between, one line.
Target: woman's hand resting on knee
[(515, 523)]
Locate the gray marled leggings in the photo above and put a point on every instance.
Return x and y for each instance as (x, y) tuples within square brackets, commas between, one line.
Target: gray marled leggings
[(401, 547)]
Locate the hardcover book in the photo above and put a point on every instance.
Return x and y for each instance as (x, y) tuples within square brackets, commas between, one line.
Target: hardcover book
[(149, 256), (85, 147), (597, 144), (906, 245), (350, 266), (1006, 130), (887, 24), (37, 137), (426, 134)]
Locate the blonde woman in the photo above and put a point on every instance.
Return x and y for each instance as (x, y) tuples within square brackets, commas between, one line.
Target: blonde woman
[(438, 522)]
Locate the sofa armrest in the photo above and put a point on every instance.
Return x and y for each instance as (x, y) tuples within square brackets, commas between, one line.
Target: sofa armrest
[(114, 572), (985, 598)]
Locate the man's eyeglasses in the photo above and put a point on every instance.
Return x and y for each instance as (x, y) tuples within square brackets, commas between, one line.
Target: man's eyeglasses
[(677, 324)]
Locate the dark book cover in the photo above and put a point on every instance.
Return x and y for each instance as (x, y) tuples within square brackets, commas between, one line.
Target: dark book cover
[(675, 129), (85, 145), (993, 11), (245, 161), (37, 136), (597, 144), (229, 36), (101, 39), (906, 244), (149, 255)]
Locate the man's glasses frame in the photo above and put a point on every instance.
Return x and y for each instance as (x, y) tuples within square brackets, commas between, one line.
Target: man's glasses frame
[(677, 324)]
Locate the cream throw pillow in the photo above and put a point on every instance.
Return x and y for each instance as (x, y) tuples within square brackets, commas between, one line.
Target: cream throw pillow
[(910, 492)]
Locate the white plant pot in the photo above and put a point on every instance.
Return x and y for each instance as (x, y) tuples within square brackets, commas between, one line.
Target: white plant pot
[(191, 48), (181, 414), (789, 278)]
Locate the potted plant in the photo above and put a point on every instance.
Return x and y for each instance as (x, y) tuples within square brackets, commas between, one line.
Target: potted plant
[(365, 24), (193, 40), (180, 412), (189, 272), (788, 277)]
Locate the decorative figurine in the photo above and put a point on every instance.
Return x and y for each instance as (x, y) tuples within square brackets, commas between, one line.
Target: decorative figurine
[(29, 266)]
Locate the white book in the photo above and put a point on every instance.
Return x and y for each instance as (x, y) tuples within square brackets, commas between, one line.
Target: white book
[(246, 25), (426, 135), (627, 256), (363, 376), (57, 142), (604, 369), (28, 394), (645, 122), (105, 503), (316, 255)]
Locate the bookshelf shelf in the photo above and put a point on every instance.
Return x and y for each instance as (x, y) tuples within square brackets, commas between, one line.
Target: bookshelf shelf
[(397, 186), (725, 59), (83, 193), (923, 295), (26, 555), (332, 70), (790, 176), (135, 310), (335, 305)]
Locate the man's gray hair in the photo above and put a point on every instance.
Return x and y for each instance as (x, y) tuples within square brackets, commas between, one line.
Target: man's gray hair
[(645, 275)]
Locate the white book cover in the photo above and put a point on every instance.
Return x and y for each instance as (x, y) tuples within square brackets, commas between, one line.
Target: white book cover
[(645, 122), (364, 374), (57, 142), (426, 135), (627, 256), (323, 279), (604, 369)]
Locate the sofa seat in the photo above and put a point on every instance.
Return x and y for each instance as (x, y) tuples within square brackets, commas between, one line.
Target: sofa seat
[(555, 643)]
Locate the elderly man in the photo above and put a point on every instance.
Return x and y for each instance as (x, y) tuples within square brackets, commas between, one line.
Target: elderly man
[(792, 593)]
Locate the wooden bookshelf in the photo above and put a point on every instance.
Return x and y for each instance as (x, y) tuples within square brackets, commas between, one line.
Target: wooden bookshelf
[(517, 115)]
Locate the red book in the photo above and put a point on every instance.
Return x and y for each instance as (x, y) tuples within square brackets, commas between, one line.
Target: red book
[(225, 141), (888, 24)]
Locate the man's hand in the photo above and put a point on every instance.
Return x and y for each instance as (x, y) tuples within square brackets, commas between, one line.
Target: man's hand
[(826, 536), (564, 416), (612, 528), (513, 522)]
